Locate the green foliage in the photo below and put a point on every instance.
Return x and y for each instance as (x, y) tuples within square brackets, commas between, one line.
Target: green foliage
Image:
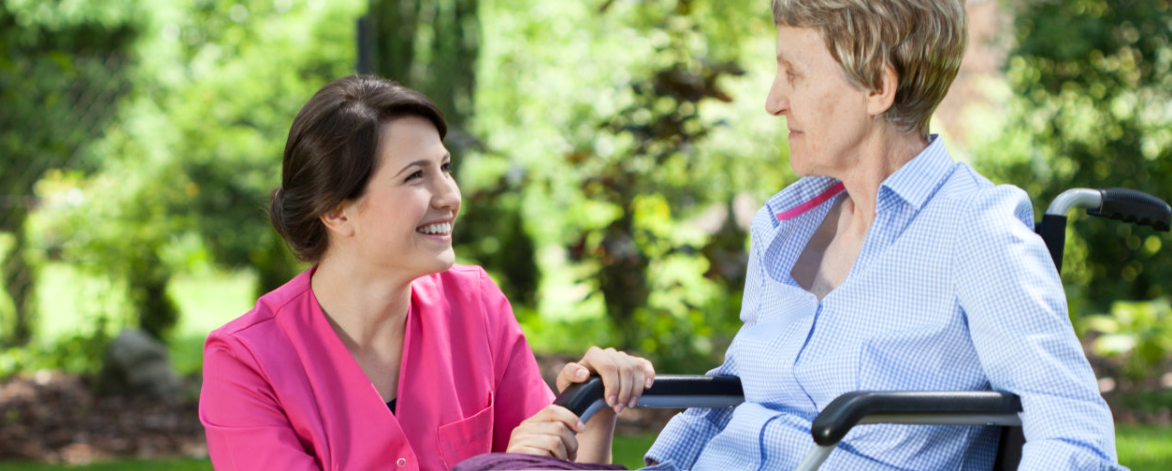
[(1092, 83), (62, 70), (1138, 332), (243, 70), (197, 149), (80, 353), (624, 125)]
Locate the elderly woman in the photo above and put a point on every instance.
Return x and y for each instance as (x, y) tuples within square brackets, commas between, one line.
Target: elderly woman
[(889, 267), (384, 354)]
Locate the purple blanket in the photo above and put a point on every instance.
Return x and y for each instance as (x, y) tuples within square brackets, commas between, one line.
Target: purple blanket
[(515, 461)]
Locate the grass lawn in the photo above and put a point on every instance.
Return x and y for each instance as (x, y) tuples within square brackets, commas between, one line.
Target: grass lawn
[(130, 465), (1141, 448)]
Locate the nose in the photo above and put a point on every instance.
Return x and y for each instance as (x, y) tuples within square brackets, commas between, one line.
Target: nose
[(777, 102), (446, 194)]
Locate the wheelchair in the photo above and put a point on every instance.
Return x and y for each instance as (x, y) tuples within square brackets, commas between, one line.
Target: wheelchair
[(900, 407)]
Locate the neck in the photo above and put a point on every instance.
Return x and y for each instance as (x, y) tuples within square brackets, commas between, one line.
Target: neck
[(361, 305), (879, 157)]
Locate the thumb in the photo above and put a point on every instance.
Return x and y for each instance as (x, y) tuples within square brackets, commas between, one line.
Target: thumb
[(572, 373)]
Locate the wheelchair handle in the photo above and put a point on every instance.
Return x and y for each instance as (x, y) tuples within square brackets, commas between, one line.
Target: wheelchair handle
[(1124, 204), (668, 392)]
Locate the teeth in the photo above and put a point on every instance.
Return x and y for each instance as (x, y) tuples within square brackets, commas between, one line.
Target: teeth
[(441, 228)]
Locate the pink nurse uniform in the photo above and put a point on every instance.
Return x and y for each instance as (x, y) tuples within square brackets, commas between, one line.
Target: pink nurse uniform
[(281, 391)]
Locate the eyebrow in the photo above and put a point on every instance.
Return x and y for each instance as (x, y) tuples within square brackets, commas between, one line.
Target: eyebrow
[(781, 59), (422, 162)]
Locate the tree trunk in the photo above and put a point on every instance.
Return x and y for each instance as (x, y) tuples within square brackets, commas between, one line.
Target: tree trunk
[(19, 280), (157, 312), (395, 24)]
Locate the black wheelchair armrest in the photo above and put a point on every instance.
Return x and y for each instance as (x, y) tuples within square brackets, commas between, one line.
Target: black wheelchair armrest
[(833, 423), (914, 407), (668, 392)]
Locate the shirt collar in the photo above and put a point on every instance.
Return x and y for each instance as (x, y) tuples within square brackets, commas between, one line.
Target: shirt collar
[(915, 182), (804, 195)]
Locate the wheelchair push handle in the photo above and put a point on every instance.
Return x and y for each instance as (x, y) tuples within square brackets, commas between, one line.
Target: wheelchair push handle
[(1134, 207), (1124, 204), (1129, 206), (668, 392)]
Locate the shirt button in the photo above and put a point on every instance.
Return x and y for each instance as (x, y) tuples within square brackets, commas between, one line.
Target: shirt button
[(402, 462)]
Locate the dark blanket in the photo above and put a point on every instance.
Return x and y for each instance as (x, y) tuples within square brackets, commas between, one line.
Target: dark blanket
[(514, 461)]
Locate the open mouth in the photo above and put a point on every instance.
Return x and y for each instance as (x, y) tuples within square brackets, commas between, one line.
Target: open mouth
[(443, 228)]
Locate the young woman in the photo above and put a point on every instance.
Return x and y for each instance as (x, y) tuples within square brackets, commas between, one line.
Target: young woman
[(384, 354)]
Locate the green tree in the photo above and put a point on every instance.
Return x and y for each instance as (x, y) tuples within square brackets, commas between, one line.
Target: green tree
[(433, 46), (197, 152), (1092, 84), (627, 122), (246, 68), (62, 77)]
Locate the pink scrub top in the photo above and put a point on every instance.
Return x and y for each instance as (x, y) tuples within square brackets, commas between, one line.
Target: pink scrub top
[(281, 391)]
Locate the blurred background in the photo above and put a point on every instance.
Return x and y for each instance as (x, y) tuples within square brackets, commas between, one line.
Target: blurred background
[(611, 154)]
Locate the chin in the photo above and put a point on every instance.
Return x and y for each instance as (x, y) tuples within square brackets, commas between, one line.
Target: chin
[(445, 261)]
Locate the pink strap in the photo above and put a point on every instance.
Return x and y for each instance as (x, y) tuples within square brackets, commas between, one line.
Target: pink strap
[(817, 200)]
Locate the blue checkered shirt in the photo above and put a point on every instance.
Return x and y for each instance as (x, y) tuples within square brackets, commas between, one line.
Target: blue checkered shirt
[(952, 290)]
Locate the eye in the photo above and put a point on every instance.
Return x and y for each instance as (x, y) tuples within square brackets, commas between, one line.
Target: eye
[(446, 167), (417, 174)]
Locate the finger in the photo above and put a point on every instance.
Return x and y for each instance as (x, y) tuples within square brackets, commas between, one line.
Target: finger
[(648, 372), (547, 438), (570, 374), (558, 439), (626, 377), (569, 440), (565, 417), (638, 381), (529, 450), (600, 362), (604, 365), (556, 446)]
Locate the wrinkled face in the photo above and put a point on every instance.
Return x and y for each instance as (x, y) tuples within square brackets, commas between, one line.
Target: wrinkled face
[(825, 114), (404, 219)]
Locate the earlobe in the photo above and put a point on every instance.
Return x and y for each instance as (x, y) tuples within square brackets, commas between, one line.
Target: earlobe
[(336, 220), (881, 99)]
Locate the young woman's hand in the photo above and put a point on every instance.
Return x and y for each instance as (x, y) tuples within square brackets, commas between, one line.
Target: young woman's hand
[(550, 432), (624, 377)]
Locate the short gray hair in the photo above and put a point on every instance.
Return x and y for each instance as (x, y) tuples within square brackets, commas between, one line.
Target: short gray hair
[(922, 40)]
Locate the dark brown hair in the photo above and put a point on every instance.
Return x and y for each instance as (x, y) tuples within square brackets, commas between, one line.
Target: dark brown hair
[(332, 152)]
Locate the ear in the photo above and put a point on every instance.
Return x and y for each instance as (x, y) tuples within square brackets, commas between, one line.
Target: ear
[(337, 220), (881, 99)]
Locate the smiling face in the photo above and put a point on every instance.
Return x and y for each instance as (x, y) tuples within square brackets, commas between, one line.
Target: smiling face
[(827, 116), (403, 221)]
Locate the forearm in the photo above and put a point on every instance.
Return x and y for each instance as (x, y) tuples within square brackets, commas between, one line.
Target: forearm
[(594, 444)]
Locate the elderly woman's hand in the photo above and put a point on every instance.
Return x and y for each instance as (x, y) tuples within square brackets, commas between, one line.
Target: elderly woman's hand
[(624, 377)]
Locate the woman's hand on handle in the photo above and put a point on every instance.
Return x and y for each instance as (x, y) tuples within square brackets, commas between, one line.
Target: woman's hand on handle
[(550, 432), (624, 377)]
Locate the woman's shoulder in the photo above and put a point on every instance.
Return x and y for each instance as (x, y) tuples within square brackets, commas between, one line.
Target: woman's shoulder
[(459, 285), (972, 196), (267, 307), (454, 280)]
